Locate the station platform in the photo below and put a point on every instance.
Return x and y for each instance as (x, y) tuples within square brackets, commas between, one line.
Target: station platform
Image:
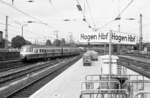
[(68, 83)]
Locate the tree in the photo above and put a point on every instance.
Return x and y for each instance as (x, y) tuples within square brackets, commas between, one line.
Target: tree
[(2, 44), (56, 42), (48, 43), (18, 41), (63, 42)]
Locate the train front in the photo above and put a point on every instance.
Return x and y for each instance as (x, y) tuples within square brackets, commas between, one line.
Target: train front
[(25, 52)]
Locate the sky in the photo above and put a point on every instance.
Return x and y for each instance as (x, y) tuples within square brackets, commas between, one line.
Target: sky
[(49, 15)]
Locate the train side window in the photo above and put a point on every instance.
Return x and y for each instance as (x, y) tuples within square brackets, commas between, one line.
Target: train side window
[(36, 50), (40, 50), (29, 49), (45, 50)]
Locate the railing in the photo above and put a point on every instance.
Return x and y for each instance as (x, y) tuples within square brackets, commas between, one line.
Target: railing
[(102, 89), (142, 94), (104, 84), (127, 86)]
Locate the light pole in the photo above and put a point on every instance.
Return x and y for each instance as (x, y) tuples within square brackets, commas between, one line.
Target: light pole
[(22, 29), (140, 38), (56, 34), (140, 31), (6, 33), (119, 68)]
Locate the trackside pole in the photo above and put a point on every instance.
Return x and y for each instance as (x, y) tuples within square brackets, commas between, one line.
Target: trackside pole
[(110, 59), (6, 33)]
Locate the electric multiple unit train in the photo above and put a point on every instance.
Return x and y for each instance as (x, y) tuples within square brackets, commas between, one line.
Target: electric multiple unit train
[(32, 52)]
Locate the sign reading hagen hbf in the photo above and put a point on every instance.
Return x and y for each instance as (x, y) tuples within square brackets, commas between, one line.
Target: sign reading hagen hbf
[(103, 37)]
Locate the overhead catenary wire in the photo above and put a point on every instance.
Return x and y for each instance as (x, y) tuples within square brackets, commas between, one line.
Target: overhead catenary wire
[(14, 27), (53, 6), (83, 13), (20, 11), (125, 8), (118, 16), (90, 12), (14, 21)]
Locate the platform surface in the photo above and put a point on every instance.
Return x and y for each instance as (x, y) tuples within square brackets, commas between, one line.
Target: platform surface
[(68, 83)]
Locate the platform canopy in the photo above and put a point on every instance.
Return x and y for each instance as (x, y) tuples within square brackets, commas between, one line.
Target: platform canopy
[(104, 36)]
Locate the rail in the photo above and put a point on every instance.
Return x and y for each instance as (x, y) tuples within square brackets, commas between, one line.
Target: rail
[(142, 93)]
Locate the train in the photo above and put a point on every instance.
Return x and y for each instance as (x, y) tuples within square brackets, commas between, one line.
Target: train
[(33, 52), (87, 60), (89, 56)]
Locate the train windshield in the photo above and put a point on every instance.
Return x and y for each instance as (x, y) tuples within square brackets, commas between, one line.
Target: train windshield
[(23, 49), (26, 49)]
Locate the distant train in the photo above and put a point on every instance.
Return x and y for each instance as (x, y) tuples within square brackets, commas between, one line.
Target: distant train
[(32, 52), (89, 56)]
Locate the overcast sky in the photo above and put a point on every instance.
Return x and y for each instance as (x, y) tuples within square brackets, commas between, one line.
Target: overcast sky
[(98, 13)]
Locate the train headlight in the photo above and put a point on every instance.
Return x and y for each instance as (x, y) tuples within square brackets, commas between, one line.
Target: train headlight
[(22, 55)]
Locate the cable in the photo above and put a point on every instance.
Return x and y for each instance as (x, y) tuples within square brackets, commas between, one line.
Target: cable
[(83, 13), (26, 14), (8, 25), (50, 1), (14, 27), (118, 16), (90, 12), (124, 9)]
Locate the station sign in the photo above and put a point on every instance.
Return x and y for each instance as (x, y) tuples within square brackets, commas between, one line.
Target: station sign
[(103, 37)]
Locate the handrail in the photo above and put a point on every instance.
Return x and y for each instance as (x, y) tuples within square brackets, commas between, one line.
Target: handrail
[(103, 81), (141, 92), (113, 76)]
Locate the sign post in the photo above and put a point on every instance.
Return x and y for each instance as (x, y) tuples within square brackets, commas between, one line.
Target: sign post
[(110, 67)]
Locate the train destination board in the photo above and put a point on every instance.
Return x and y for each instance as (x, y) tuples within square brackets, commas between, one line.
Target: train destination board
[(103, 37)]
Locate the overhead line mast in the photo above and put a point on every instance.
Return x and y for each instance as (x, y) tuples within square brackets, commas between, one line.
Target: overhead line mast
[(6, 33), (140, 35)]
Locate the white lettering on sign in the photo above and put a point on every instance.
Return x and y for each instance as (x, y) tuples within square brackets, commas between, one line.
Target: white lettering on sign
[(117, 37)]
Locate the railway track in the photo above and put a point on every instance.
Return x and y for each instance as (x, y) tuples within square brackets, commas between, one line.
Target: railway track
[(136, 65), (14, 81), (137, 55), (12, 64)]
